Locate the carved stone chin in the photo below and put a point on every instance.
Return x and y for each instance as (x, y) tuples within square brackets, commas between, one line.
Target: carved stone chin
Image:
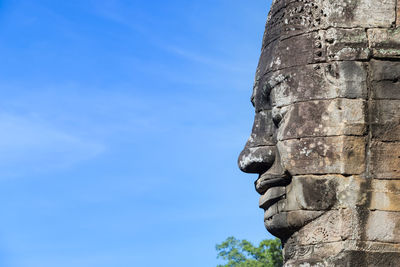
[(326, 134)]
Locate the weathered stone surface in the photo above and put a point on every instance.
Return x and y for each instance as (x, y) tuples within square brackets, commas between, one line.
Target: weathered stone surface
[(385, 79), (351, 191), (358, 257), (385, 43), (264, 131), (346, 44), (347, 253), (332, 226), (334, 192), (314, 47), (347, 79), (260, 97), (324, 118), (398, 13), (385, 160), (383, 226), (285, 223), (385, 196), (385, 124), (312, 193), (345, 224), (359, 13), (255, 159), (271, 195), (290, 17), (356, 191), (324, 155), (326, 136), (326, 192), (296, 51)]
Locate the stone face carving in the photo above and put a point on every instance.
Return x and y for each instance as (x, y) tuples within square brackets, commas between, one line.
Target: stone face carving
[(326, 136)]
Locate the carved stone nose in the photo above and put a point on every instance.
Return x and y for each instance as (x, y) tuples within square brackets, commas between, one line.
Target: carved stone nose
[(256, 159)]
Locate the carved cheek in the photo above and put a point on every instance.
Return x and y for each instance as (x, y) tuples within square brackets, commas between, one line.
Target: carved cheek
[(314, 193)]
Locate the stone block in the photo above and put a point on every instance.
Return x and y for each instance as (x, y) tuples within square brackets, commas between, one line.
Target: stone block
[(359, 13), (385, 79), (383, 226), (385, 43), (324, 155), (296, 51), (346, 253), (333, 192), (346, 44), (292, 17), (398, 13), (331, 226), (324, 118), (323, 192), (312, 192), (346, 79), (314, 47), (351, 191), (289, 18), (360, 257), (385, 201), (385, 125), (385, 160), (373, 194)]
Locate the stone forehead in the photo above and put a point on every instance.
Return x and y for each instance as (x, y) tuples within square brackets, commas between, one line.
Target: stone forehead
[(323, 49), (293, 17)]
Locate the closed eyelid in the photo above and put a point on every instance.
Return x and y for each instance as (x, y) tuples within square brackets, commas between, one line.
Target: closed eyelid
[(278, 114), (261, 96), (266, 89)]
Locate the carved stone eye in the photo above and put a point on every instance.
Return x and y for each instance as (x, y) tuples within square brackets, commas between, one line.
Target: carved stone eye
[(278, 114), (266, 90)]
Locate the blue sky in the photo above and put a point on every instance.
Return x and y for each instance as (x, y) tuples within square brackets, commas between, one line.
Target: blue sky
[(121, 125)]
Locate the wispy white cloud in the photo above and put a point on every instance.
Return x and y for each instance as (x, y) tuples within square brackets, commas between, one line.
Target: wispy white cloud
[(28, 144), (203, 59), (114, 11)]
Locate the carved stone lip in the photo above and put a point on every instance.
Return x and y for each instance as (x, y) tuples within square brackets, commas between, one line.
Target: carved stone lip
[(267, 181), (272, 196)]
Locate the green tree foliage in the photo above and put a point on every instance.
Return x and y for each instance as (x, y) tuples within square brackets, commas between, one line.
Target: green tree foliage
[(241, 253)]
